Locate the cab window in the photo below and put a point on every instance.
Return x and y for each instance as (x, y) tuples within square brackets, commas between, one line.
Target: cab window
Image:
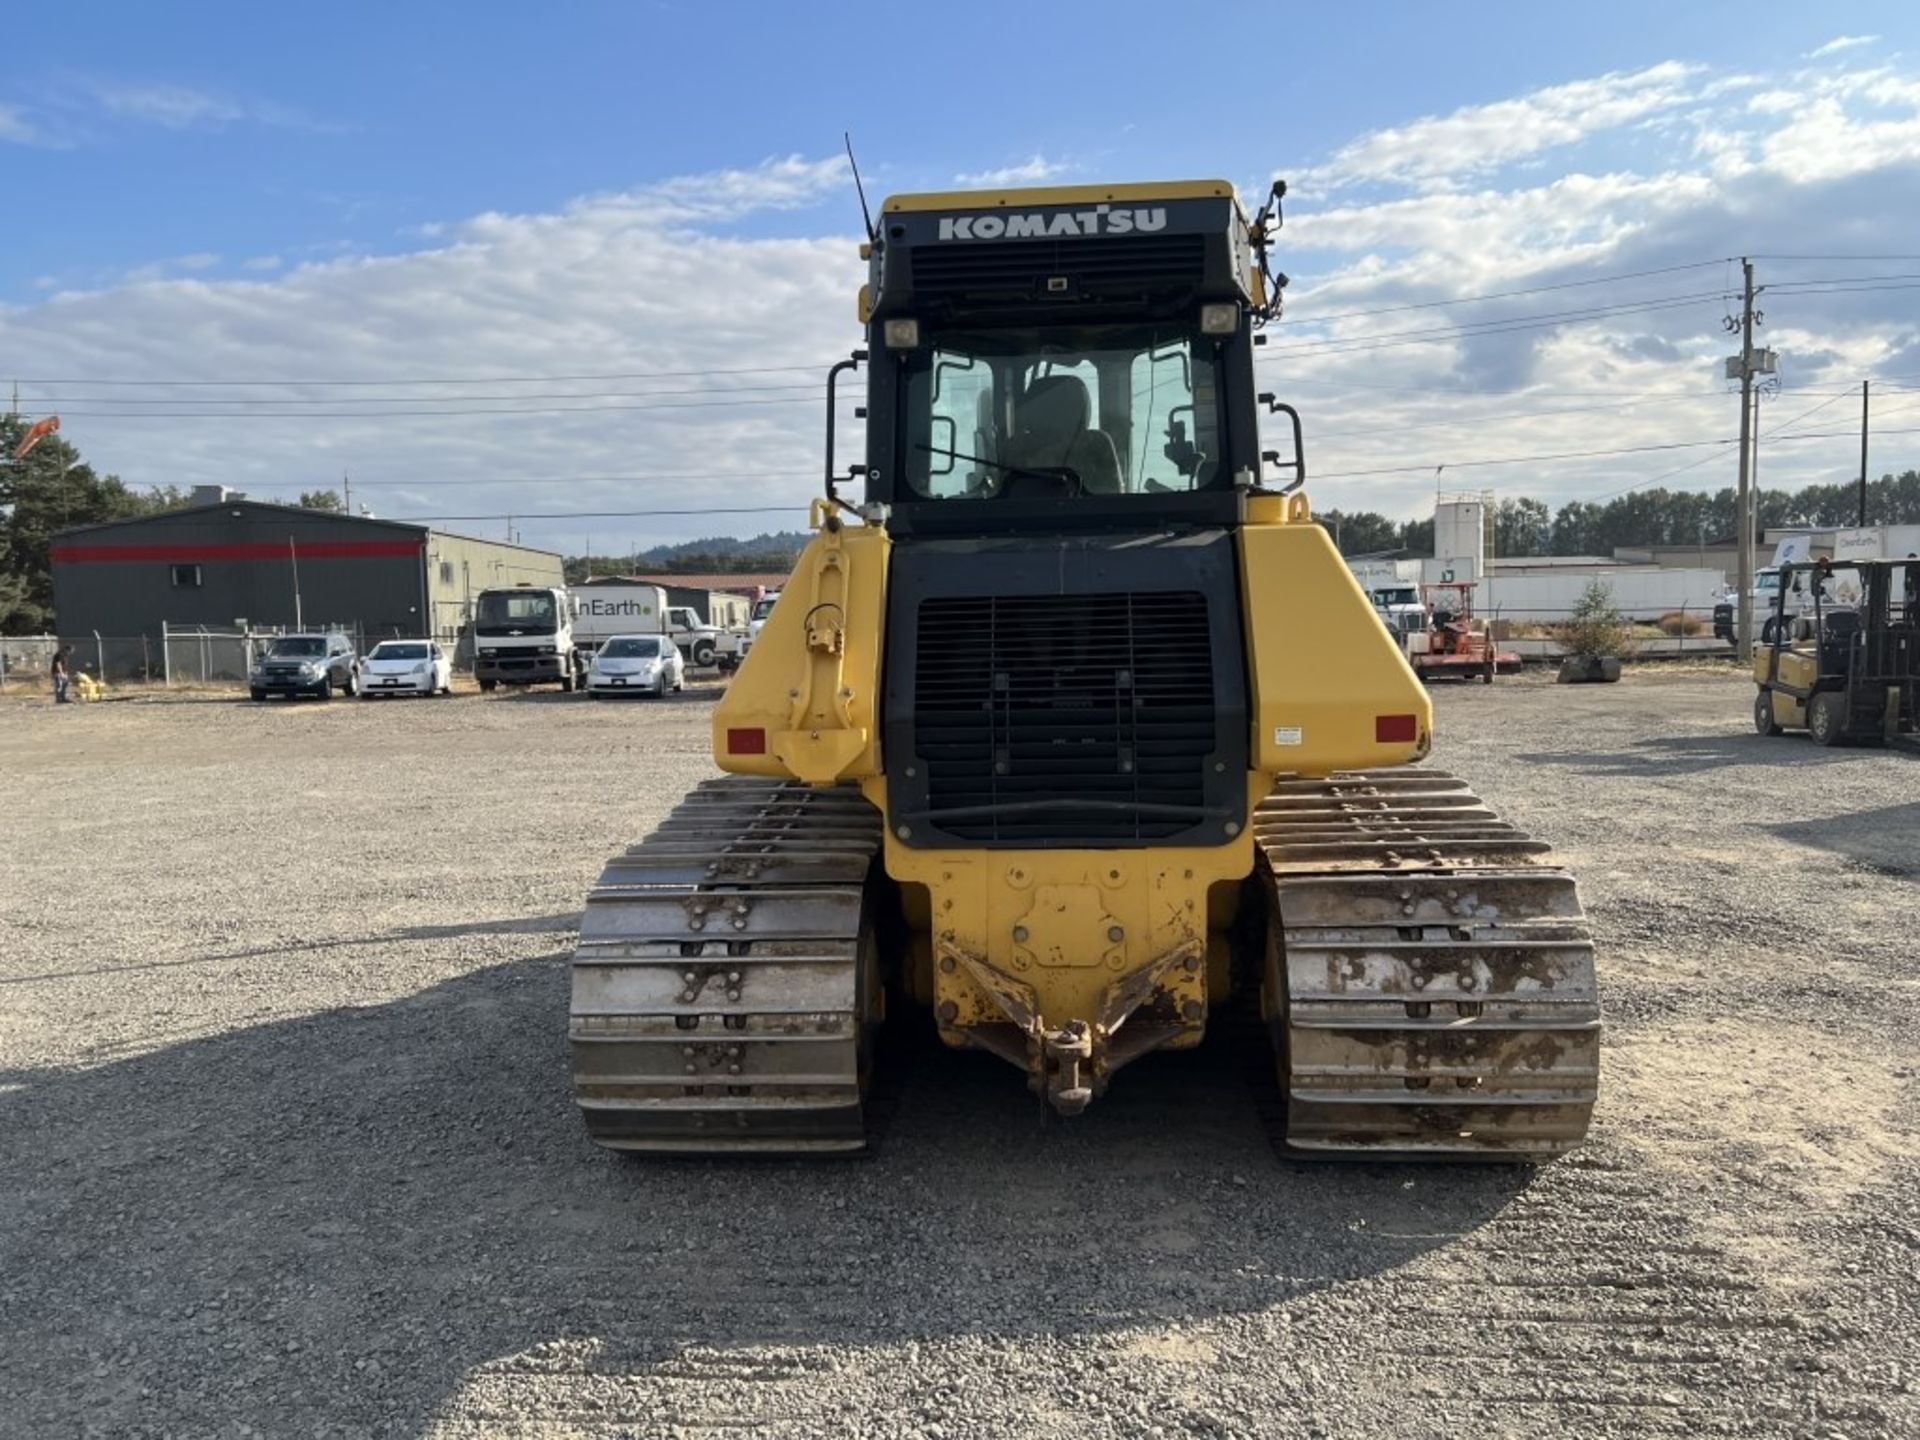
[(1063, 410)]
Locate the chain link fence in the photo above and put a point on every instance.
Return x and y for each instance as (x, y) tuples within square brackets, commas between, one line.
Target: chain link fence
[(181, 655)]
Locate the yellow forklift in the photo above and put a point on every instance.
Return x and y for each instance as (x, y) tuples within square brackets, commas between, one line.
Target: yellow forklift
[(1848, 669)]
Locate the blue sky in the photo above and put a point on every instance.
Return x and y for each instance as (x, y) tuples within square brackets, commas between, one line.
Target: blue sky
[(429, 192), (253, 130)]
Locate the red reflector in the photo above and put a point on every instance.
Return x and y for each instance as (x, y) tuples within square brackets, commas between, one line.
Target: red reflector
[(1393, 729), (747, 742)]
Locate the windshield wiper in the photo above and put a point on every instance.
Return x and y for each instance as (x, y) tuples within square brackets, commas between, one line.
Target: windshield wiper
[(1054, 474)]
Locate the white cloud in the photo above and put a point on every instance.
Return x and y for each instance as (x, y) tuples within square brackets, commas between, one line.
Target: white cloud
[(173, 106), (180, 107), (640, 287), (1840, 43), (157, 270), (1830, 157), (650, 288), (781, 183), (1027, 172), (15, 128), (1492, 233), (1440, 149), (1824, 138)]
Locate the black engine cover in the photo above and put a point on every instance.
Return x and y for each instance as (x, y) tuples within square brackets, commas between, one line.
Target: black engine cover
[(1086, 691)]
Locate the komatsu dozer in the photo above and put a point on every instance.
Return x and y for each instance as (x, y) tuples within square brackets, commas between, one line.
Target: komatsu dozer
[(1073, 732)]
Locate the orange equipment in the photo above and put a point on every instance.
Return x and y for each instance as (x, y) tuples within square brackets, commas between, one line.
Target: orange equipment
[(1454, 642), (36, 432)]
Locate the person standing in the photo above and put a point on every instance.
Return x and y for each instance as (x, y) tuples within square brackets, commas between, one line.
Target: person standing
[(62, 676)]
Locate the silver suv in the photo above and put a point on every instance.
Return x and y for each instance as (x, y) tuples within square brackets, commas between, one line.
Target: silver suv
[(299, 665)]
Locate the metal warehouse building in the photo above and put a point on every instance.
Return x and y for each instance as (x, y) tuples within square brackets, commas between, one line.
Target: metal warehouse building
[(225, 559)]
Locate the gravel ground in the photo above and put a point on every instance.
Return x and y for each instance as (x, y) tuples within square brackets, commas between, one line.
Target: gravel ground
[(288, 1147)]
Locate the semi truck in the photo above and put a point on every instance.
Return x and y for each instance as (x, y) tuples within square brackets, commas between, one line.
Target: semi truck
[(1844, 547), (1399, 608), (761, 610)]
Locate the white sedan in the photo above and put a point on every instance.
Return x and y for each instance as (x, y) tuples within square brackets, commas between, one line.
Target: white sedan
[(636, 665), (405, 667)]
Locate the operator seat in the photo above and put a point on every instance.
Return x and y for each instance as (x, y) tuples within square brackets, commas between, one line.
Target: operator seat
[(1050, 432), (1837, 629)]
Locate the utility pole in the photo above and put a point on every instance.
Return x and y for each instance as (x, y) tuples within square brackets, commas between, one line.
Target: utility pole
[(1743, 526), (293, 558), (1863, 453), (346, 485)]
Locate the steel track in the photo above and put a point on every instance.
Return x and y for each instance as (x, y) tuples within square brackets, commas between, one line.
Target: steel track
[(1429, 978), (1429, 973), (726, 976)]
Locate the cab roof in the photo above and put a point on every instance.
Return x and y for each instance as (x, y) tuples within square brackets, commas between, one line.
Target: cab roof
[(1059, 195)]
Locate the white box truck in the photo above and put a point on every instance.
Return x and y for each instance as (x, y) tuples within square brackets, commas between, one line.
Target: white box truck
[(602, 611), (523, 635), (1877, 542)]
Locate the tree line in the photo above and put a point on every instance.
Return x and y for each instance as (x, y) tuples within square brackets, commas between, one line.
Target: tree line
[(1640, 518), (774, 553), (693, 562)]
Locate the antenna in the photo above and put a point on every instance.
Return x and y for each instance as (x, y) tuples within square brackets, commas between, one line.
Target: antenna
[(861, 190)]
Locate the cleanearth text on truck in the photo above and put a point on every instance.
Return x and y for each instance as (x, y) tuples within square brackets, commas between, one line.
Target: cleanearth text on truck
[(601, 611)]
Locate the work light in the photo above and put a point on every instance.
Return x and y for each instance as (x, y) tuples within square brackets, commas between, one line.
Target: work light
[(1214, 319)]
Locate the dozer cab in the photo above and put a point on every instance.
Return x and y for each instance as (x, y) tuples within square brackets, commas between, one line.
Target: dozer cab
[(1842, 660), (1072, 732)]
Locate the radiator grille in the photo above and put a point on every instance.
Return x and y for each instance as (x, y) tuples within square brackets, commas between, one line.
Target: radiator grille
[(1065, 719), (1021, 268)]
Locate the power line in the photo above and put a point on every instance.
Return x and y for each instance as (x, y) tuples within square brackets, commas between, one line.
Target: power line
[(468, 380), (1695, 464), (1490, 327), (573, 379), (1843, 258), (1849, 434), (1831, 288), (1430, 466), (1309, 348), (1653, 480), (1840, 284), (812, 387), (1521, 416), (848, 399), (1502, 294)]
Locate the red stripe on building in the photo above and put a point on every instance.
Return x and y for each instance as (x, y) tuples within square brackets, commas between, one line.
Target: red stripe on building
[(182, 553)]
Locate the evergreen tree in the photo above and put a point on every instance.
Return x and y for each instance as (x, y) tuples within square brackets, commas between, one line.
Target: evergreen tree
[(50, 490)]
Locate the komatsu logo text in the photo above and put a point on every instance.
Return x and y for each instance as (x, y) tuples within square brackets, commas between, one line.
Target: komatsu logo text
[(1101, 220)]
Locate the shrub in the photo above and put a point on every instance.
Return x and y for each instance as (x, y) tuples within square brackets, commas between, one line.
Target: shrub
[(1679, 622), (1597, 630)]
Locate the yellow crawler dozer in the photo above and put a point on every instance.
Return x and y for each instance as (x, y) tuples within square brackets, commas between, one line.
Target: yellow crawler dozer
[(1074, 731)]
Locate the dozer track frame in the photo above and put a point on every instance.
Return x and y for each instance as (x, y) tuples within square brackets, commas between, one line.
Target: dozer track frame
[(727, 975), (1429, 980)]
